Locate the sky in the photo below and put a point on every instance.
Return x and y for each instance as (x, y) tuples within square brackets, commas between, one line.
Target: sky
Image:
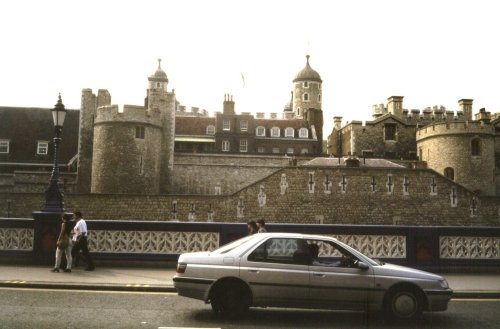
[(432, 52)]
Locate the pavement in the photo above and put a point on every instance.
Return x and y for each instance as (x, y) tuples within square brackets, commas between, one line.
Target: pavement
[(464, 285)]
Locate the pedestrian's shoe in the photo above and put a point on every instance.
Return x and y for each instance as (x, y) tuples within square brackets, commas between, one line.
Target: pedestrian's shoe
[(54, 270), (90, 268), (67, 270)]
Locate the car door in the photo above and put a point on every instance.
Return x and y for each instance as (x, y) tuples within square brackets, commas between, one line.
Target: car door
[(335, 281), (277, 272)]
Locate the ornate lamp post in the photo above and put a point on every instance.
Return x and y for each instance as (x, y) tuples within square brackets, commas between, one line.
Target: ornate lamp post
[(54, 195), (47, 221)]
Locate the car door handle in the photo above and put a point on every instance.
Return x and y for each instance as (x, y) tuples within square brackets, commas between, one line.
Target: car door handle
[(253, 271), (319, 275)]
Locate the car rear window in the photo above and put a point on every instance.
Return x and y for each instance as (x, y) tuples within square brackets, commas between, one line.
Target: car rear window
[(231, 245)]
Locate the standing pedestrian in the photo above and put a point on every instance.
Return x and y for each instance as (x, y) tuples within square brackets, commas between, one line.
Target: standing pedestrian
[(64, 244), (261, 223), (80, 241), (252, 227)]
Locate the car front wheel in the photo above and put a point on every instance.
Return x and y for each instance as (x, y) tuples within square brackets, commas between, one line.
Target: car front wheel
[(404, 304)]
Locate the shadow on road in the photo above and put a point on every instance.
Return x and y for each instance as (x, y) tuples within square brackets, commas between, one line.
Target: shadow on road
[(281, 318)]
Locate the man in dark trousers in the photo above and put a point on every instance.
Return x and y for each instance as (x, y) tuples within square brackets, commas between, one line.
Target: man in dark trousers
[(80, 241)]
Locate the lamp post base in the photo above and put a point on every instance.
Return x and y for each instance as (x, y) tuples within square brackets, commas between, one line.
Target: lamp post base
[(46, 231)]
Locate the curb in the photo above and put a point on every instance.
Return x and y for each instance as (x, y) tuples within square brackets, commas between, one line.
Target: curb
[(170, 288), (475, 294), (82, 286)]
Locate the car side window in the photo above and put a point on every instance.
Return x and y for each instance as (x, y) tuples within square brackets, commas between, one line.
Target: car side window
[(281, 250), (326, 253)]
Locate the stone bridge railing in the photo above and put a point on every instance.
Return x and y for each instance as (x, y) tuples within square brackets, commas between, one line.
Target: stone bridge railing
[(436, 248)]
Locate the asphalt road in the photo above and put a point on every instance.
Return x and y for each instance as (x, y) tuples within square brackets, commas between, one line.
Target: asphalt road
[(45, 308)]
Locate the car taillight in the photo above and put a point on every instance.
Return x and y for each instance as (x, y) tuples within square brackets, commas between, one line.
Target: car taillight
[(181, 267)]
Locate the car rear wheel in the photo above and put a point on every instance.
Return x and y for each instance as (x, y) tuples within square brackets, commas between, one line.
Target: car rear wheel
[(405, 304), (230, 298)]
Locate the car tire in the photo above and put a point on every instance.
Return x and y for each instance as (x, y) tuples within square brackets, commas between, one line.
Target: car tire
[(230, 299), (404, 304)]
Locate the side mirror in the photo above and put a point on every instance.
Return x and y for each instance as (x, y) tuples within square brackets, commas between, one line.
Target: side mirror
[(361, 265)]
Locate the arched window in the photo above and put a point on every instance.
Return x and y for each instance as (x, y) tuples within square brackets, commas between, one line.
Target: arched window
[(289, 132), (319, 98), (449, 173), (305, 97), (475, 146), (303, 133), (306, 84), (210, 130), (275, 132)]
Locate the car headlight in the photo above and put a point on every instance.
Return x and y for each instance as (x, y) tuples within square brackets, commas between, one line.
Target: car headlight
[(444, 284)]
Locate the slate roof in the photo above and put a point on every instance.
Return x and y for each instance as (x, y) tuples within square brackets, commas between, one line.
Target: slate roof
[(25, 126), (192, 125)]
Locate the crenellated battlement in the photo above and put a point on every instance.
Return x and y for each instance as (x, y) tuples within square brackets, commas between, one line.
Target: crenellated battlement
[(454, 128), (130, 113)]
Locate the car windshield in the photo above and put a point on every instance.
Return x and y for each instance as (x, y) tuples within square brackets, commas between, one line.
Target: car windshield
[(231, 245)]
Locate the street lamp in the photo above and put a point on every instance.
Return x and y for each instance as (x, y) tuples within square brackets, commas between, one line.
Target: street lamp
[(54, 195)]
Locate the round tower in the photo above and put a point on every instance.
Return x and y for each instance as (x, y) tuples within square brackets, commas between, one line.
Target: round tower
[(126, 152), (306, 90), (461, 151)]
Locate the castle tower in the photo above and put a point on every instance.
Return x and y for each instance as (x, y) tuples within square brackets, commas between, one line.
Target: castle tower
[(161, 101), (88, 109), (306, 90), (126, 155), (461, 151), (466, 108), (395, 106)]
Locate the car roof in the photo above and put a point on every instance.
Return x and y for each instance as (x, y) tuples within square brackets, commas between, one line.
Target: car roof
[(294, 235)]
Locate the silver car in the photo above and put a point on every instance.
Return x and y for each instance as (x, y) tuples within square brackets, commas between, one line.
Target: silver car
[(305, 271)]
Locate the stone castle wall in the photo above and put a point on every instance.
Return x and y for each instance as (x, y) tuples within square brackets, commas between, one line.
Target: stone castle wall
[(298, 195)]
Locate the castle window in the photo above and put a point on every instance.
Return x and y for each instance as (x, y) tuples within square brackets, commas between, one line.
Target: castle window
[(275, 132), (225, 146), (140, 132), (210, 130), (306, 84), (226, 125), (390, 132), (319, 98), (449, 173), (260, 131), (303, 133), (276, 150), (304, 151), (42, 148), (305, 97), (298, 111), (289, 132), (244, 125), (290, 150), (476, 147), (261, 149), (4, 146), (243, 145)]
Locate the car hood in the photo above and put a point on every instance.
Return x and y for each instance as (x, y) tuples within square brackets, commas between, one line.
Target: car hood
[(403, 271)]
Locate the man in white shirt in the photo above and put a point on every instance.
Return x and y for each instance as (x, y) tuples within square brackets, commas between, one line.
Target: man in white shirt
[(80, 241)]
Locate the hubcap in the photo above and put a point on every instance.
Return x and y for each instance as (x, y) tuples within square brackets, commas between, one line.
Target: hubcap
[(405, 305)]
